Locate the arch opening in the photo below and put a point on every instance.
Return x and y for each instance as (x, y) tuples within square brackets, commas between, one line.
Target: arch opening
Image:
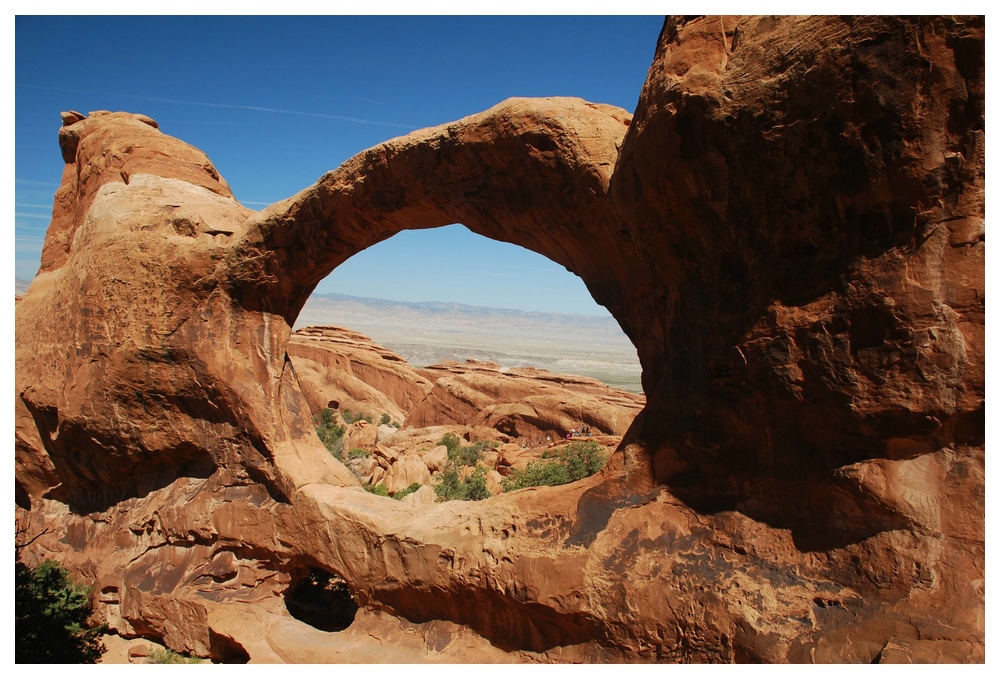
[(448, 293), (322, 600), (513, 376)]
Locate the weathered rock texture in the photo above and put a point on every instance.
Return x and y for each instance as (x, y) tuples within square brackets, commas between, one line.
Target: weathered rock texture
[(521, 402), (793, 236), (340, 368)]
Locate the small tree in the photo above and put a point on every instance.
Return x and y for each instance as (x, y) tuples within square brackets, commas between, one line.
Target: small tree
[(452, 487), (574, 462), (330, 433), (50, 617), (452, 443)]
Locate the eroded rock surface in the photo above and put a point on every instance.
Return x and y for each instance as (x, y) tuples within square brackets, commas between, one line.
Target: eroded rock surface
[(342, 369), (522, 402), (793, 236)]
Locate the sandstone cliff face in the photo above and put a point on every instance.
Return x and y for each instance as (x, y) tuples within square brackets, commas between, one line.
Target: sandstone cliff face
[(521, 402), (346, 368), (793, 236)]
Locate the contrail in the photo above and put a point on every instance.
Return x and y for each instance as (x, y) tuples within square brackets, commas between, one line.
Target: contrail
[(328, 116)]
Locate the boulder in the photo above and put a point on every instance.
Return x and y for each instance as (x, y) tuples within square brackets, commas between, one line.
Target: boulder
[(385, 431), (360, 435), (422, 496), (407, 471), (436, 459)]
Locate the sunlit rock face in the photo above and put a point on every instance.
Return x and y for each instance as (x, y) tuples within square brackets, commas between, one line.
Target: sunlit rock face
[(790, 229)]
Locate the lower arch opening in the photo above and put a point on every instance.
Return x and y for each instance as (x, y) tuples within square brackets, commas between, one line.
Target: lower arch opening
[(322, 600)]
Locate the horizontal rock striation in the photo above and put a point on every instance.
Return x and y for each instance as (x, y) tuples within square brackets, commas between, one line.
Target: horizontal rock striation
[(522, 402), (790, 229), (339, 368)]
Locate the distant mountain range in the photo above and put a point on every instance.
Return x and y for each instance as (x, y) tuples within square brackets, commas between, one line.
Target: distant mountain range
[(429, 332), (320, 307)]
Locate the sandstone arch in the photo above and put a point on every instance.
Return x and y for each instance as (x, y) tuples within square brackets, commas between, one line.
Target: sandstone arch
[(792, 235)]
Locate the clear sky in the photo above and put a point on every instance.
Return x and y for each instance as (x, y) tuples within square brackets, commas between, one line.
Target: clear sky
[(277, 101)]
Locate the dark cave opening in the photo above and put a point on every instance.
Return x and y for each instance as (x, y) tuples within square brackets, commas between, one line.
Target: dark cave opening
[(322, 599)]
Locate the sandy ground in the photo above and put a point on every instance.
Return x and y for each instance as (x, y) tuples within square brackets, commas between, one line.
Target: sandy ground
[(119, 647)]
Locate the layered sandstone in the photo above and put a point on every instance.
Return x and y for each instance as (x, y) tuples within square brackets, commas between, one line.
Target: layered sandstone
[(792, 234), (341, 369), (522, 402)]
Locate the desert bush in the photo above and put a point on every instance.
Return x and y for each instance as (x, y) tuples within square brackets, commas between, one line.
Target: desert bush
[(351, 418), (583, 459), (465, 456), (572, 463), (385, 419), (409, 490), (355, 453), (330, 433), (451, 487), (380, 489), (475, 486), (452, 442), (167, 657), (537, 473), (50, 617)]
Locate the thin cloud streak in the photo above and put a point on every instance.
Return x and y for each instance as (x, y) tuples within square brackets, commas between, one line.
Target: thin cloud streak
[(32, 205), (25, 214), (328, 116), (32, 181)]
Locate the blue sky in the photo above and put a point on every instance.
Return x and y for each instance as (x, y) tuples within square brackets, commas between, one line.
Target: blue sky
[(277, 101)]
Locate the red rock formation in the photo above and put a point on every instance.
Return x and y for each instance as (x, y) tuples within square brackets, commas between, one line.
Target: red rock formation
[(521, 401), (792, 235), (345, 367), (340, 366)]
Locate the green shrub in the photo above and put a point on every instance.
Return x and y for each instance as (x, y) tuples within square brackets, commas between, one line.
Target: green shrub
[(50, 617), (583, 459), (449, 487), (537, 473), (168, 657), (355, 453), (475, 486), (451, 442), (572, 463), (452, 487), (385, 419), (465, 456), (409, 490), (330, 433), (351, 418), (380, 489), (395, 424)]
